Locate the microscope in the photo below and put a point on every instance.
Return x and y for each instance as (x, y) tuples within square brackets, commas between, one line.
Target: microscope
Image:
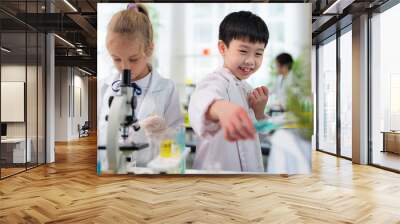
[(122, 116)]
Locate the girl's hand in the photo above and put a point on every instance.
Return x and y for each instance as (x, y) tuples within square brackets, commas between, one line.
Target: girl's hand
[(234, 120), (258, 99)]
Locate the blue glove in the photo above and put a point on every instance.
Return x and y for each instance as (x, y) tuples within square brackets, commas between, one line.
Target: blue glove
[(265, 126)]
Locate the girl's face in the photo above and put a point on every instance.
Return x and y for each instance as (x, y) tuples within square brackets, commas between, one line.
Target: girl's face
[(129, 53)]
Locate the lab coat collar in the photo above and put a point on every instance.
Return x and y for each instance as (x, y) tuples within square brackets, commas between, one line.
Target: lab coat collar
[(154, 86), (227, 74), (143, 83), (156, 81), (290, 74)]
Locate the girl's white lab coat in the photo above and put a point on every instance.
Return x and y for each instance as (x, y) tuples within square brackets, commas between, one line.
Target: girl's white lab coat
[(213, 152), (159, 96)]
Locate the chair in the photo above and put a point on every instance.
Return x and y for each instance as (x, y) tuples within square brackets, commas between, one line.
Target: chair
[(84, 130)]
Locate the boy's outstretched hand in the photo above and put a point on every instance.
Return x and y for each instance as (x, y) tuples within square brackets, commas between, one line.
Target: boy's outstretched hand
[(258, 99), (233, 119)]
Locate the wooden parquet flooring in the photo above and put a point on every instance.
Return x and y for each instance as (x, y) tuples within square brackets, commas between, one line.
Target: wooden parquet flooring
[(69, 191), (10, 171)]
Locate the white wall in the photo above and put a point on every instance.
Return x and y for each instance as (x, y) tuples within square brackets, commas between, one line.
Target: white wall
[(61, 103), (67, 114), (80, 83), (16, 73), (33, 126)]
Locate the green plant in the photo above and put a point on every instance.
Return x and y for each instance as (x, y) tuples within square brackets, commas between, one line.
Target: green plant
[(299, 96)]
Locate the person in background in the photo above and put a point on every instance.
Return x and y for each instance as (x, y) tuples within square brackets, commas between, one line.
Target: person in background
[(289, 154), (284, 62)]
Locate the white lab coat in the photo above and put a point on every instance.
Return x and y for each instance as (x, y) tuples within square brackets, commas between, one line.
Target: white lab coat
[(290, 154), (213, 152), (159, 97), (278, 95)]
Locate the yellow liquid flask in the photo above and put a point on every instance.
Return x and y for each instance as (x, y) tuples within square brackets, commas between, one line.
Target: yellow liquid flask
[(165, 148)]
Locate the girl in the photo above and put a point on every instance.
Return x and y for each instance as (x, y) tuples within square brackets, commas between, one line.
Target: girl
[(130, 44)]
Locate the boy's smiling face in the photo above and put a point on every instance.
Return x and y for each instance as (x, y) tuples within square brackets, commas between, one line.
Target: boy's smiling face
[(242, 57)]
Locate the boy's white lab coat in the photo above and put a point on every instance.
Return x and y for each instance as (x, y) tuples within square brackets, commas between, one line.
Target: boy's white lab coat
[(213, 152), (159, 97)]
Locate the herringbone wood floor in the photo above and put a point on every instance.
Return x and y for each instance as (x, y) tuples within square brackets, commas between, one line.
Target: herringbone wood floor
[(69, 191)]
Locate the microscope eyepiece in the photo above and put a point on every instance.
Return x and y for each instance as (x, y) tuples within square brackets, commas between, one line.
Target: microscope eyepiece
[(126, 77)]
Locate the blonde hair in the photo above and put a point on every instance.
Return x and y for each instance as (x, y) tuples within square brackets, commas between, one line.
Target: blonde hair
[(132, 22)]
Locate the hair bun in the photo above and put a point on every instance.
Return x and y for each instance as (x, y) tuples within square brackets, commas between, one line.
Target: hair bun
[(137, 8), (132, 6)]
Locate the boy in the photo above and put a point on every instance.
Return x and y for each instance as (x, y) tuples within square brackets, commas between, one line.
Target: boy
[(223, 106)]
